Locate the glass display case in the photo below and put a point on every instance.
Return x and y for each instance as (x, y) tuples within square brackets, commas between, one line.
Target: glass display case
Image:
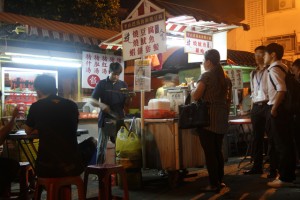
[(18, 90)]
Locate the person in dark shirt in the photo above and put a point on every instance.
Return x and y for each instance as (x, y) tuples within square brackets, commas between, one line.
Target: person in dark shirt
[(109, 91), (9, 167), (55, 119), (296, 117)]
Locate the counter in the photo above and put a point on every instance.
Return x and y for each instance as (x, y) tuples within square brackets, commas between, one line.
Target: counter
[(167, 147)]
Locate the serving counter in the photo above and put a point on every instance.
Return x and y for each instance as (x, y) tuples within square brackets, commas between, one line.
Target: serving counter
[(170, 148)]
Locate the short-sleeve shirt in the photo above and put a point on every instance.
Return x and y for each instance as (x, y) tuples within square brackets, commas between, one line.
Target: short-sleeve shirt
[(104, 90), (259, 85), (56, 120), (218, 108), (278, 77)]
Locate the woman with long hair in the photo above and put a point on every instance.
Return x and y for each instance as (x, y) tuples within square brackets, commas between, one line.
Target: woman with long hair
[(214, 87)]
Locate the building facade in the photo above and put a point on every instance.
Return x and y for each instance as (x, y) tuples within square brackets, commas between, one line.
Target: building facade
[(270, 21)]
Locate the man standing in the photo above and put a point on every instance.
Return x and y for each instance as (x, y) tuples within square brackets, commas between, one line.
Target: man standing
[(259, 88), (55, 119), (110, 92), (278, 122)]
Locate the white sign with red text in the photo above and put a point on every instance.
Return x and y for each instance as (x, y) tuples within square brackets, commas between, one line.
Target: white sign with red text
[(143, 36), (197, 43), (95, 67)]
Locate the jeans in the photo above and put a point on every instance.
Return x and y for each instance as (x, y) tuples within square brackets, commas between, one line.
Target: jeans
[(102, 144)]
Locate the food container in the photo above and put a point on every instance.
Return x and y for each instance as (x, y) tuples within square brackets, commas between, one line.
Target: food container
[(159, 114)]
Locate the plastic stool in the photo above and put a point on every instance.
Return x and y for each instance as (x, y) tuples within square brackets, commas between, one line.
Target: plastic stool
[(26, 181), (53, 187), (27, 178), (104, 173)]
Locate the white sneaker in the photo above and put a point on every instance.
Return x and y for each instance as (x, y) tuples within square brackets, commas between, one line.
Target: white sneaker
[(277, 183)]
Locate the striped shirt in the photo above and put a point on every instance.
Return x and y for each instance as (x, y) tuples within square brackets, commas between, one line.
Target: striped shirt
[(218, 108)]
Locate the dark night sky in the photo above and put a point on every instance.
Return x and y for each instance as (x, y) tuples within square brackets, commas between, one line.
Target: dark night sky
[(229, 10)]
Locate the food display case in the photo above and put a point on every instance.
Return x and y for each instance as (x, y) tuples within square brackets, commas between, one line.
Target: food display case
[(18, 90)]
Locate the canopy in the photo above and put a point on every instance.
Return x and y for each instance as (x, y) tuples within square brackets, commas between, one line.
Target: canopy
[(179, 19)]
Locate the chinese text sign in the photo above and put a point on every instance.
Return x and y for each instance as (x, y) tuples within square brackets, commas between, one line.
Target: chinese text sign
[(236, 77), (95, 67), (197, 43), (144, 36)]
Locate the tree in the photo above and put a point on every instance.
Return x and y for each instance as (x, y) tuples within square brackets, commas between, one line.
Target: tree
[(96, 13)]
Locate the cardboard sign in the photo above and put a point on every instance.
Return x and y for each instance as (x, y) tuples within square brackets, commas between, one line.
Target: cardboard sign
[(142, 75)]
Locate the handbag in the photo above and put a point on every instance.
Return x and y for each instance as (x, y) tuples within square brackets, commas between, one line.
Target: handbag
[(193, 115)]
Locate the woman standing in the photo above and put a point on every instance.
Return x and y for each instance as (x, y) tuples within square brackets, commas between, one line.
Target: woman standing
[(215, 88)]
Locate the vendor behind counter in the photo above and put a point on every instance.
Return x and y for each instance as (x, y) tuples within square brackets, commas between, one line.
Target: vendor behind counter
[(168, 80)]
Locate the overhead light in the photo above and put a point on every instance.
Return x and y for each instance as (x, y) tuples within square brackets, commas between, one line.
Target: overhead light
[(26, 55), (47, 62), (43, 60)]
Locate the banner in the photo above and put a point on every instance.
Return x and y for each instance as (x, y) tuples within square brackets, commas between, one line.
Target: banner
[(142, 75), (95, 67), (236, 77), (197, 43), (143, 36)]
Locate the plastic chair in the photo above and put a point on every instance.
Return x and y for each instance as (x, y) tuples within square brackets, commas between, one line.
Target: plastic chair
[(104, 173), (59, 186)]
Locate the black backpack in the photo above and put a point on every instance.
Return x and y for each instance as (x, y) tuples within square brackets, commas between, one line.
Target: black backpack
[(291, 101)]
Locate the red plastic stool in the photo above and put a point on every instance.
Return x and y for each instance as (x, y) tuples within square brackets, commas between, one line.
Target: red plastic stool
[(59, 186), (26, 181), (104, 173)]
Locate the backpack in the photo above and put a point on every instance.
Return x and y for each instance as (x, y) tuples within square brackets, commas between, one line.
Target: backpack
[(291, 101)]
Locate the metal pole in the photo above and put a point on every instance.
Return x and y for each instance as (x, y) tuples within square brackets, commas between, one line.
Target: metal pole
[(143, 129)]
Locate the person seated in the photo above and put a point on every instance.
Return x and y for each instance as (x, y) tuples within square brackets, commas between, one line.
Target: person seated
[(9, 167), (55, 119)]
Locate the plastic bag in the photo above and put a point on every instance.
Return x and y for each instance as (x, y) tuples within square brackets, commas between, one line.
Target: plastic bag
[(128, 144)]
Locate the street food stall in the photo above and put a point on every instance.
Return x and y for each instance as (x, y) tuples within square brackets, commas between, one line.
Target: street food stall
[(164, 145)]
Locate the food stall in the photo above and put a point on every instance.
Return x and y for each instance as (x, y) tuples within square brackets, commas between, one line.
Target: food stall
[(164, 145)]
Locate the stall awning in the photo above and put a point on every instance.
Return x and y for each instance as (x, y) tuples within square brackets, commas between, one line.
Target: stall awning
[(56, 30), (179, 19)]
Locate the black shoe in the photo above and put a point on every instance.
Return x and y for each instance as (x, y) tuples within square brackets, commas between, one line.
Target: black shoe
[(253, 171), (272, 175)]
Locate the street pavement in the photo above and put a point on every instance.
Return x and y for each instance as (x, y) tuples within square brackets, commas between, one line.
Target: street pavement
[(239, 186)]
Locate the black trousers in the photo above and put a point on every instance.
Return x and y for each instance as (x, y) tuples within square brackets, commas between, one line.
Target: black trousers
[(258, 119), (212, 145), (86, 150), (9, 171), (281, 143), (296, 132)]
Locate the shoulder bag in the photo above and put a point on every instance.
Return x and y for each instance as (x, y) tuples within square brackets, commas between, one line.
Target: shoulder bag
[(193, 115)]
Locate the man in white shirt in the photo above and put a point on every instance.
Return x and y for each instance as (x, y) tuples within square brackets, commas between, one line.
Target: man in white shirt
[(278, 122), (259, 88)]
